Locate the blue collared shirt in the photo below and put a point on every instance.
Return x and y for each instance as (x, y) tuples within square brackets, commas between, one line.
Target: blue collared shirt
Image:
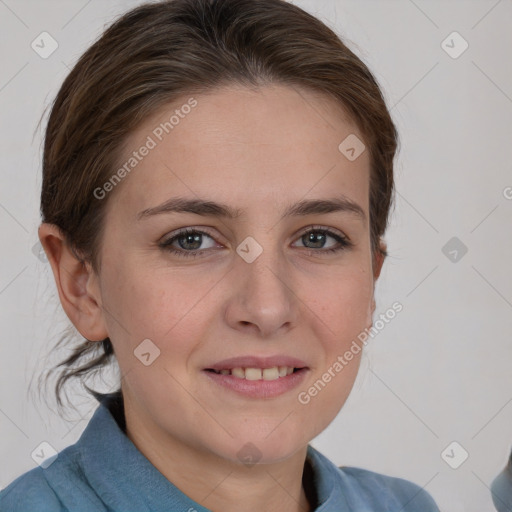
[(104, 471), (501, 489)]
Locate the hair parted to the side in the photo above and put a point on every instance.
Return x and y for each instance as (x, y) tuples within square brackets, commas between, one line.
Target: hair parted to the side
[(161, 51)]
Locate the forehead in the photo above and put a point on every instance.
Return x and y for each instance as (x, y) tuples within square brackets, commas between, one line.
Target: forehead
[(259, 148)]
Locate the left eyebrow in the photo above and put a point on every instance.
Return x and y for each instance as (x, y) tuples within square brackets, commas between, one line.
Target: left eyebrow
[(321, 206), (210, 208)]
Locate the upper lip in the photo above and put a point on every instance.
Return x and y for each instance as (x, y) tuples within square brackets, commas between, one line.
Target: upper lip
[(257, 362)]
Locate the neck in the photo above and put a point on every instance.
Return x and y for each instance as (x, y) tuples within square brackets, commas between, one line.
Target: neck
[(217, 483)]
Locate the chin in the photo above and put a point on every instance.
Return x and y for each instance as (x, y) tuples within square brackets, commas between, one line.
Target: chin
[(258, 447)]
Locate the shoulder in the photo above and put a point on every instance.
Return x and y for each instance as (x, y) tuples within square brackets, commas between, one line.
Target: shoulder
[(388, 491), (501, 489), (30, 491), (60, 487)]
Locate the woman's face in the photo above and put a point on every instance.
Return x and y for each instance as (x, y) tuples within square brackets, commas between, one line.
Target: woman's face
[(260, 286)]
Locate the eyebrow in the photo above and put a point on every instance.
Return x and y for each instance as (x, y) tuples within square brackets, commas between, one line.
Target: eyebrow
[(210, 208)]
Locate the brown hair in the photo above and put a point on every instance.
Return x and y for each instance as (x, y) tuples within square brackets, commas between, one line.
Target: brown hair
[(160, 51)]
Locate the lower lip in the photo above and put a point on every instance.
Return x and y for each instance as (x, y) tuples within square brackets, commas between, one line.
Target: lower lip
[(259, 388)]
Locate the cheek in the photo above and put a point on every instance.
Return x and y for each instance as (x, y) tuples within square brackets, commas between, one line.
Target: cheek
[(342, 303), (161, 305), (342, 311)]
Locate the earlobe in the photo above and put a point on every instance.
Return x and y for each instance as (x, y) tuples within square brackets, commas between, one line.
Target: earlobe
[(378, 262), (374, 305), (379, 258), (73, 279)]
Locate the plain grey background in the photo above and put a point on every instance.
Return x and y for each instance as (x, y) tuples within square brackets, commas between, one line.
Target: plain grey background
[(440, 372)]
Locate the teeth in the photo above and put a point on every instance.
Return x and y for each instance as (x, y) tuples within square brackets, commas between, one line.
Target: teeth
[(271, 373), (283, 371), (238, 372), (258, 374), (253, 373)]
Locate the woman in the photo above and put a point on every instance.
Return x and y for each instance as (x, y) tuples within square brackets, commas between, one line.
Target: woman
[(217, 179)]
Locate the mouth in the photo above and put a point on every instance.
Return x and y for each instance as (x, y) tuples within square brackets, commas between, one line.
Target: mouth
[(256, 376), (268, 374)]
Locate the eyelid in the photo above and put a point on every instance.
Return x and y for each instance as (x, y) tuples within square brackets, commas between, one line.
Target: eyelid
[(343, 240), (319, 227), (183, 231), (301, 232)]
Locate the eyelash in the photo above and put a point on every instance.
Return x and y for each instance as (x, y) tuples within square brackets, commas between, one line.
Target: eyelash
[(344, 242)]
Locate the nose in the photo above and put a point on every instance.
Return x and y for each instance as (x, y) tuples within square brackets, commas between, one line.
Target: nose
[(263, 301)]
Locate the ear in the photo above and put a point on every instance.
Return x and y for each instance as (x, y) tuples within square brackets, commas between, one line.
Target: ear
[(76, 282), (378, 261)]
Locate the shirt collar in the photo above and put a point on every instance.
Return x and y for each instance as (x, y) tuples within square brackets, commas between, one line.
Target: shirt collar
[(125, 478)]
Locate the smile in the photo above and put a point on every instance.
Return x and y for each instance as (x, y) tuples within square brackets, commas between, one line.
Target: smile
[(258, 383), (273, 373)]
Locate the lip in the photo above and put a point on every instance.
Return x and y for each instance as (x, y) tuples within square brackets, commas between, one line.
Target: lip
[(259, 388), (257, 362)]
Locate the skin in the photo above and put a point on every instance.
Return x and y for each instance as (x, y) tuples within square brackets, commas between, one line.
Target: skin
[(258, 150)]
